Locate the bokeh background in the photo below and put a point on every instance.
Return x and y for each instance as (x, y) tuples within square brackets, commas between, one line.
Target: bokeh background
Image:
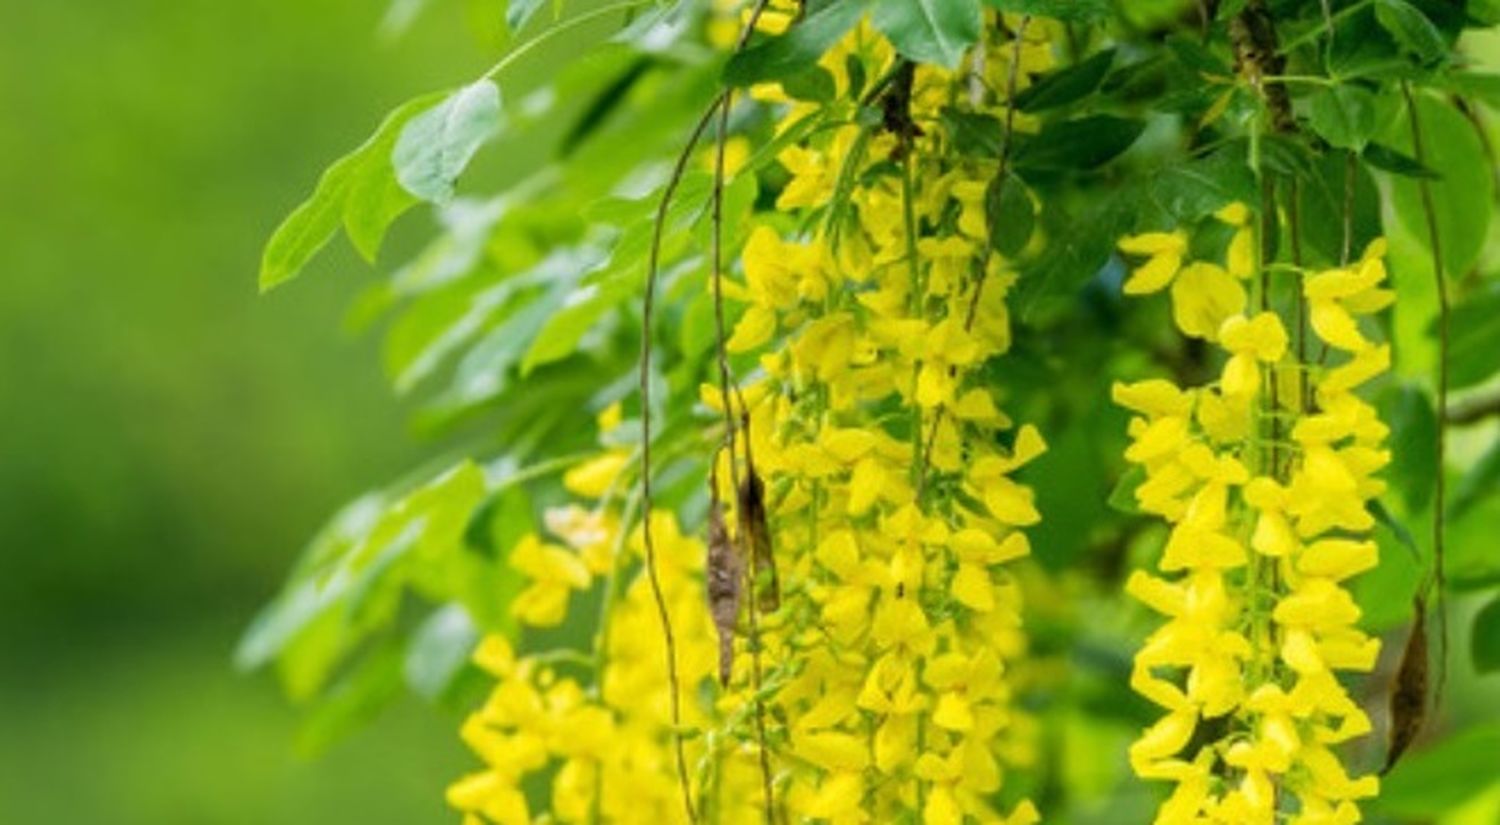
[(168, 441)]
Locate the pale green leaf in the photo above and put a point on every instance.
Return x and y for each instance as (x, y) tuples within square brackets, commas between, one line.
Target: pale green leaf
[(437, 145)]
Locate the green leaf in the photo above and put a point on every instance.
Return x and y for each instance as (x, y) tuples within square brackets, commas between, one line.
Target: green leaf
[(1412, 29), (973, 133), (929, 31), (375, 199), (439, 651), (1080, 11), (1386, 159), (1480, 481), (308, 228), (353, 700), (1474, 338), (1343, 115), (1434, 781), (1414, 445), (1463, 197), (1011, 215), (1189, 191), (1484, 647), (1079, 144), (1481, 86), (1398, 529), (436, 146), (1066, 85), (783, 57), (357, 189), (560, 336), (1122, 497), (519, 12), (1322, 196)]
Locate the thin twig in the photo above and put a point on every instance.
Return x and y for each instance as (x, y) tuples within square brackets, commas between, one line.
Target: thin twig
[(726, 383), (648, 306), (1440, 484)]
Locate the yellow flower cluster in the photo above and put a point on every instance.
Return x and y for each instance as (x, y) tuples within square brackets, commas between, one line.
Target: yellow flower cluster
[(591, 730), (887, 459), (882, 683), (1265, 478)]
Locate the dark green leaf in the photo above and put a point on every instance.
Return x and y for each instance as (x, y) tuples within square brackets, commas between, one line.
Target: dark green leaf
[(1322, 197), (814, 84), (1485, 638), (1189, 191), (1194, 55), (1122, 497), (1412, 30), (1386, 159), (1011, 214), (1066, 85), (797, 50), (929, 31), (973, 133), (1083, 143), (436, 146), (1343, 115)]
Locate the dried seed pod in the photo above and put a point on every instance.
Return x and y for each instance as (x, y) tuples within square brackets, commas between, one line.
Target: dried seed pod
[(756, 533), (1409, 693), (725, 579)]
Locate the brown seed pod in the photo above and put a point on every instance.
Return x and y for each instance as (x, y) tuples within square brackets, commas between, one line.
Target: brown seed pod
[(756, 532), (725, 580), (1409, 693)]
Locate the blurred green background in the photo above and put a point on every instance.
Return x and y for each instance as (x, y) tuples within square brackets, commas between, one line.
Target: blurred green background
[(168, 441)]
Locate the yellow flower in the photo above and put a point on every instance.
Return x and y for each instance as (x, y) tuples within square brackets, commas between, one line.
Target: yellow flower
[(1204, 296), (554, 572), (1301, 501), (1164, 252)]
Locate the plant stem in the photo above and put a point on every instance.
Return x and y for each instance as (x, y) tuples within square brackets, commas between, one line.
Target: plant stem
[(1440, 484)]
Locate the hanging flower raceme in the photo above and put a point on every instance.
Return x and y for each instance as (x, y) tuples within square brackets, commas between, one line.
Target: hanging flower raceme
[(1265, 477), (854, 662), (887, 461), (590, 730)]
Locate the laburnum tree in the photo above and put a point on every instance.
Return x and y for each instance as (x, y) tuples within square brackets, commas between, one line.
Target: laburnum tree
[(933, 410)]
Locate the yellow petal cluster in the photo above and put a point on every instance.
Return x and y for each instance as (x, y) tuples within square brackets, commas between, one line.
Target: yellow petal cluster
[(884, 684), (894, 506), (1265, 479)]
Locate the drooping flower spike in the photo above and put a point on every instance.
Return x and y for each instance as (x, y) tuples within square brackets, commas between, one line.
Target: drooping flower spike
[(1266, 487)]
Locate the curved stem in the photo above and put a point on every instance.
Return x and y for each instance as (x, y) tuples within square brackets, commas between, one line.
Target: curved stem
[(1440, 485)]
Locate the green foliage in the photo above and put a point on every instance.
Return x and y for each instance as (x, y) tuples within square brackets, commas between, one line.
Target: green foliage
[(789, 55), (523, 314), (358, 190), (929, 31), (436, 146)]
